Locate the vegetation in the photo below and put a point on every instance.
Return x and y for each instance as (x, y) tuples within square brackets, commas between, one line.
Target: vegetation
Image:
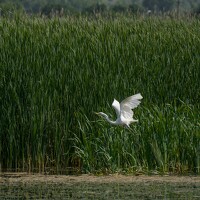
[(89, 6), (54, 73)]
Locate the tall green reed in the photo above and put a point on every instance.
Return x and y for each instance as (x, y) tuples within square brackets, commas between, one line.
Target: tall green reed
[(56, 72)]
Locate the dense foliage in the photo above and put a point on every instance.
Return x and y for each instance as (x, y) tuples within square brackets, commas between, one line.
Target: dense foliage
[(54, 73), (89, 6)]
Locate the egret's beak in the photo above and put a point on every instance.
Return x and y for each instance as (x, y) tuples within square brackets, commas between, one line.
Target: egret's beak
[(96, 113)]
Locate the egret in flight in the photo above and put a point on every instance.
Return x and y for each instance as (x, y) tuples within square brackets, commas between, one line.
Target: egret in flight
[(124, 110)]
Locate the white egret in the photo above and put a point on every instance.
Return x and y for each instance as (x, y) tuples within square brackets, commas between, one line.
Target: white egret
[(124, 110)]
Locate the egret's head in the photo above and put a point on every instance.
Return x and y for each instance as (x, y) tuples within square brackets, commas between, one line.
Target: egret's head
[(102, 114)]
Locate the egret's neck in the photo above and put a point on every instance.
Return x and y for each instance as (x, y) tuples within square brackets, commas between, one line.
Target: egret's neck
[(107, 119)]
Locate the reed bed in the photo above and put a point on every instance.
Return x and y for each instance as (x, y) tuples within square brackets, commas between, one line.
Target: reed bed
[(54, 73)]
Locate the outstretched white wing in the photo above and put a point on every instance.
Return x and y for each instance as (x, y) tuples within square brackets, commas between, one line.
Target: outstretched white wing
[(128, 104), (116, 106)]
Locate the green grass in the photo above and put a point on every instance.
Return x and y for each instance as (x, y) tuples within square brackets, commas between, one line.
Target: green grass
[(55, 72)]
